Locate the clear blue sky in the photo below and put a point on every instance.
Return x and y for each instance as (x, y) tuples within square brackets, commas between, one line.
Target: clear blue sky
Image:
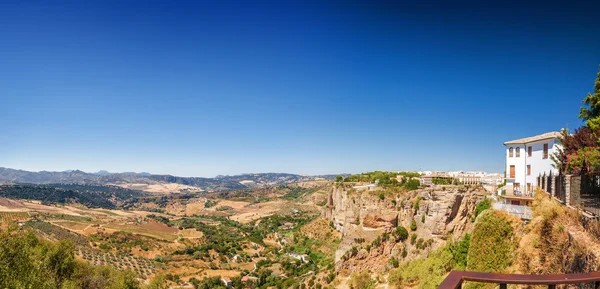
[(305, 87)]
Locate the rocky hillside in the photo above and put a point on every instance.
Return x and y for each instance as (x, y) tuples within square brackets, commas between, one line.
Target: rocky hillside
[(369, 222), (557, 240)]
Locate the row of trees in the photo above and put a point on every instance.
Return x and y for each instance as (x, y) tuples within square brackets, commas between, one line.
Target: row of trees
[(408, 181)]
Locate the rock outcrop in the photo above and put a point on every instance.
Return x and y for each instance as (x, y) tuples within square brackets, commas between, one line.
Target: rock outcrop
[(439, 213)]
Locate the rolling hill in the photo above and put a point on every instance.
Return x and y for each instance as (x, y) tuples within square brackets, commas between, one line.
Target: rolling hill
[(8, 175)]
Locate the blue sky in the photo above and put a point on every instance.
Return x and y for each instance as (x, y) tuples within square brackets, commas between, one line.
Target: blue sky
[(311, 87)]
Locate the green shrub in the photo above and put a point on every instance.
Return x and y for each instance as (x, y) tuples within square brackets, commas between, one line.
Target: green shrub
[(460, 251), (417, 203), (492, 244), (428, 273), (413, 239), (420, 243), (377, 241), (413, 225), (361, 280), (224, 208), (401, 234), (482, 206), (394, 262)]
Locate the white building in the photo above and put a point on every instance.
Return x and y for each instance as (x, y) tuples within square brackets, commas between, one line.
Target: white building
[(527, 158)]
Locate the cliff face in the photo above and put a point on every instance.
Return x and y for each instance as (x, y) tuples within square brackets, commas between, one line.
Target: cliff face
[(362, 216)]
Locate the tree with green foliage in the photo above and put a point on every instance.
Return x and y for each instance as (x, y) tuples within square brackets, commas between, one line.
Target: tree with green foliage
[(581, 147), (591, 112), (482, 206), (27, 261), (460, 252), (401, 234), (413, 225)]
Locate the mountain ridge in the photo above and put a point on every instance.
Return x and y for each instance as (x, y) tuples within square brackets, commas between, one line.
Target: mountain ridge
[(104, 178)]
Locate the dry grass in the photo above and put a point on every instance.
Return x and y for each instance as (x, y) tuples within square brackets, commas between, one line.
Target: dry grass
[(70, 225), (191, 234), (555, 241), (149, 232)]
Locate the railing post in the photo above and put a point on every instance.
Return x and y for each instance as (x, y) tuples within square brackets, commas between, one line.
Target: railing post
[(502, 286)]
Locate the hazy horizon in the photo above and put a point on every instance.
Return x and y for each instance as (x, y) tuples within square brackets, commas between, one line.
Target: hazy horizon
[(246, 173)]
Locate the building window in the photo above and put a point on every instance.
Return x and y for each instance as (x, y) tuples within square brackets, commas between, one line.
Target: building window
[(529, 170), (529, 187), (512, 172), (510, 152), (545, 150), (529, 151), (518, 152), (517, 187)]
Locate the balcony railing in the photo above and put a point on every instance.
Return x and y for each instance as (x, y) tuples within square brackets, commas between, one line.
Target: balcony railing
[(523, 212), (456, 278)]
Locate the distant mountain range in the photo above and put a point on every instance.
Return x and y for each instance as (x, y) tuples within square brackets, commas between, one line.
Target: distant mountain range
[(8, 175)]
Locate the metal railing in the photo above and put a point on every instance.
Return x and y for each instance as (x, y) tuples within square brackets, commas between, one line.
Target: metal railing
[(522, 212), (590, 194), (455, 279)]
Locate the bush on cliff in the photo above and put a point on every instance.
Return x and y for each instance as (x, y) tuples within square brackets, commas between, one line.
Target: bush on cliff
[(401, 234), (428, 273), (482, 206), (492, 245)]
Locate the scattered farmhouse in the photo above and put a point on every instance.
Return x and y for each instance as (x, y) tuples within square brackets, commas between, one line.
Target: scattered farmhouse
[(227, 282), (303, 258)]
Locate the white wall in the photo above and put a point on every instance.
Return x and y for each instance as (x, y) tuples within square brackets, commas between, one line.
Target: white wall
[(539, 165)]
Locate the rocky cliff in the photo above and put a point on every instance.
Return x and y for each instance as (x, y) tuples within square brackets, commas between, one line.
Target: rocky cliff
[(368, 218)]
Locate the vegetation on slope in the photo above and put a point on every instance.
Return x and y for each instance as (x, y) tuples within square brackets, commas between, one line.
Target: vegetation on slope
[(409, 180), (493, 244), (27, 261), (89, 196), (556, 241), (428, 273)]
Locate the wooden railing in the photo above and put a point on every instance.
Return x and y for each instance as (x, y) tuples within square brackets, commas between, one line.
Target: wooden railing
[(456, 278)]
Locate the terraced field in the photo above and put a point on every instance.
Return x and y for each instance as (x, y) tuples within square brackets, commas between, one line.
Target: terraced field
[(6, 217), (142, 266), (57, 233)]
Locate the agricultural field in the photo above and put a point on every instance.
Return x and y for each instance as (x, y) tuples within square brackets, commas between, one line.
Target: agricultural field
[(6, 217), (142, 266), (186, 237), (57, 233)]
